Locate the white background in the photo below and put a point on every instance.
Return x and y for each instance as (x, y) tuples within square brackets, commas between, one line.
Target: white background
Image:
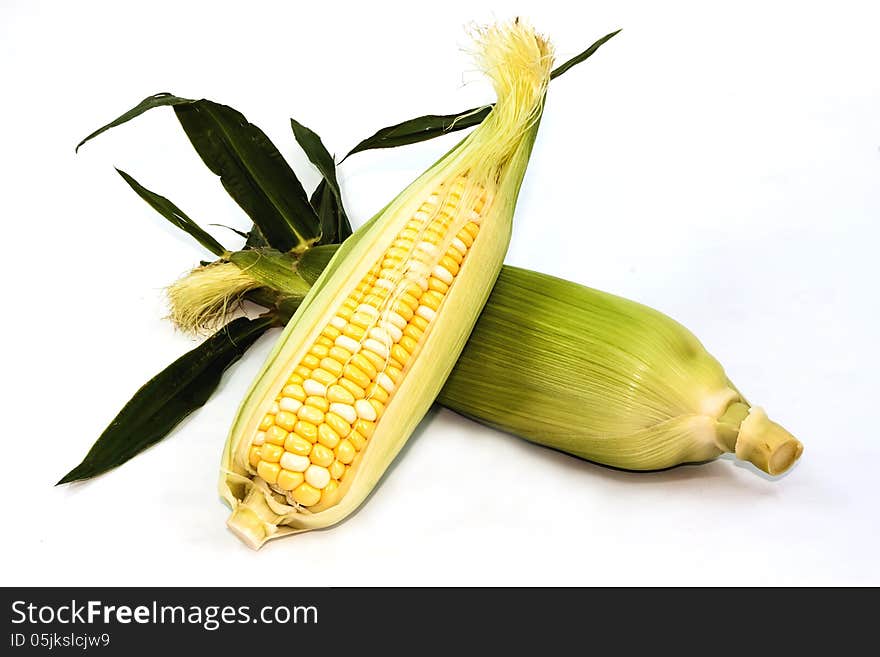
[(721, 165)]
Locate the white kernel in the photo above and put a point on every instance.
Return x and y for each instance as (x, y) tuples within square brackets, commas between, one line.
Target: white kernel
[(422, 216), (289, 404), (384, 282), (367, 309), (459, 246), (385, 381), (338, 322), (433, 199), (394, 332), (376, 347), (417, 267), (474, 216), (380, 334), (294, 462), (347, 343), (426, 313), (443, 274), (273, 410), (314, 388), (345, 411), (260, 438), (317, 476), (395, 319), (427, 247), (365, 410)]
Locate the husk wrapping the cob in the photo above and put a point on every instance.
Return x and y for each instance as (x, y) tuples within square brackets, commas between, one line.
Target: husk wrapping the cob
[(469, 195)]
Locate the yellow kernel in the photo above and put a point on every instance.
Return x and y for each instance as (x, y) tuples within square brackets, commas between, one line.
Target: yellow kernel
[(327, 436), (288, 480), (271, 453), (409, 300), (393, 362), (319, 350), (276, 435), (254, 456), (323, 377), (378, 392), (294, 391), (355, 390), (338, 394), (297, 445), (454, 255), (295, 379), (400, 354), (266, 422), (364, 364), (403, 243), (345, 452), (408, 343), (339, 354), (344, 311), (449, 265), (413, 332), (331, 365), (324, 340), (437, 285), (321, 455), (363, 427), (472, 229), (353, 331), (420, 322), (379, 406), (352, 302), (356, 375), (306, 495), (375, 359), (337, 469), (329, 489), (410, 234), (310, 414), (318, 402), (311, 361), (394, 373), (330, 332), (357, 440), (432, 299), (268, 471), (362, 320), (306, 430), (466, 237), (337, 424), (285, 420), (303, 371)]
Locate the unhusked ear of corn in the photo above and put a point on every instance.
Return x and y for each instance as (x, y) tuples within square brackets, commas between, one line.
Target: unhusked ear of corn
[(369, 348), (606, 379)]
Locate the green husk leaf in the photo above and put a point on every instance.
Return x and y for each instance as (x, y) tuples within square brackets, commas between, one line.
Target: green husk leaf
[(157, 100), (253, 172), (273, 269), (585, 55), (168, 398), (427, 127), (175, 215)]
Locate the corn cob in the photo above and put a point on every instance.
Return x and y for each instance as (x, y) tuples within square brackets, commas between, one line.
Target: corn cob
[(368, 349)]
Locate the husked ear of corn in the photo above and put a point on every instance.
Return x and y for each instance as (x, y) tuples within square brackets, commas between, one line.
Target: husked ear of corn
[(606, 379), (369, 348)]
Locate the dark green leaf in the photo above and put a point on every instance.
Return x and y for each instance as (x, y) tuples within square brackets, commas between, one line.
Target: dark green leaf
[(586, 54), (422, 128), (168, 398), (436, 125), (174, 214), (255, 238), (327, 198), (148, 103), (240, 233), (252, 171)]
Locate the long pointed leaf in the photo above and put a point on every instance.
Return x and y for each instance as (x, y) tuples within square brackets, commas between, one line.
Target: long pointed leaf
[(327, 198), (427, 127), (253, 171), (168, 398), (174, 214), (585, 55), (157, 100)]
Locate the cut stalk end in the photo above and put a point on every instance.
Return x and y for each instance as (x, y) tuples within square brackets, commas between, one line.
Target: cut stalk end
[(766, 444), (252, 519)]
